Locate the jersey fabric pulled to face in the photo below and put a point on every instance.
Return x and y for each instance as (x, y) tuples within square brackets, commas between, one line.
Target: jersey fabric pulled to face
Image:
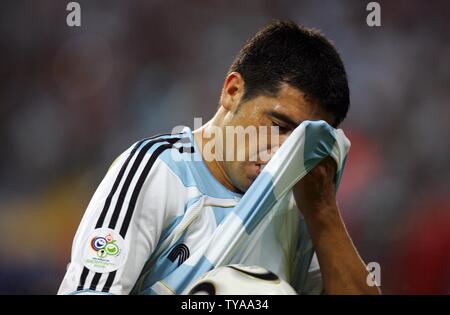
[(157, 206)]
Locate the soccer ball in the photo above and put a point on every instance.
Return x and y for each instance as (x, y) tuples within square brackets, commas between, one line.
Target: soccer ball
[(240, 280)]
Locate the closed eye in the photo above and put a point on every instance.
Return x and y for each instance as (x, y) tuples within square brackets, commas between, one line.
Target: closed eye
[(282, 128)]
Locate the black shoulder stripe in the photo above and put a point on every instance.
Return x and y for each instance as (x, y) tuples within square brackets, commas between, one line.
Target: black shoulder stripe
[(134, 197), (101, 219), (109, 281), (129, 178), (95, 281), (108, 200), (83, 277), (140, 183)]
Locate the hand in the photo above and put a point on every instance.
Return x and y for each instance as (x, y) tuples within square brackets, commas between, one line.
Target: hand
[(343, 271), (316, 191)]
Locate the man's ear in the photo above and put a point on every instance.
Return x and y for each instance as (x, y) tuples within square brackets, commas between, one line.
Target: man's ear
[(232, 91)]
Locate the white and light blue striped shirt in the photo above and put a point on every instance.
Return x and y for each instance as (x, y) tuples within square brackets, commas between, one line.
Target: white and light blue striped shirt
[(159, 216)]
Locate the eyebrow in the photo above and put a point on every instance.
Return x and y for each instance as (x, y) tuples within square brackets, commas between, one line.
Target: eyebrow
[(284, 118)]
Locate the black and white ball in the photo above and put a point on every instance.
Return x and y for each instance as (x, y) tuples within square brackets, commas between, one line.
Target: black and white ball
[(240, 280)]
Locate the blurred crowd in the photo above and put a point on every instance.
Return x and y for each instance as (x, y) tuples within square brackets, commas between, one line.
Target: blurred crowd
[(73, 98)]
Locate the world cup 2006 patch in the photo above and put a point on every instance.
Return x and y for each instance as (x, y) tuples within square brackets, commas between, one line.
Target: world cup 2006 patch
[(104, 251)]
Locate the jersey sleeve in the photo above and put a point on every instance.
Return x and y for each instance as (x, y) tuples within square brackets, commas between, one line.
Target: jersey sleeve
[(122, 224)]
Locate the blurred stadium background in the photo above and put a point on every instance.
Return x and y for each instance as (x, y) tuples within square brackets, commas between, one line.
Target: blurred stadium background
[(72, 99)]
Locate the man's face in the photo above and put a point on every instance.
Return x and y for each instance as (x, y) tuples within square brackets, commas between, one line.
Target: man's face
[(287, 110)]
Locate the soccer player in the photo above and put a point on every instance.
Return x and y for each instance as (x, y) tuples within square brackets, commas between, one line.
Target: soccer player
[(154, 208)]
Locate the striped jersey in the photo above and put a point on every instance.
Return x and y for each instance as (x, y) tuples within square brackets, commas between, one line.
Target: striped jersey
[(139, 225)]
